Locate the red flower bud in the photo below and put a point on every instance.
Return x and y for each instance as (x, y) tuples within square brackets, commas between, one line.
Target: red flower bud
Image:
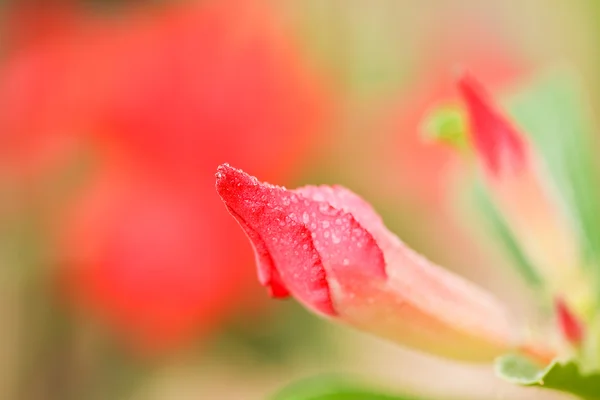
[(328, 248)]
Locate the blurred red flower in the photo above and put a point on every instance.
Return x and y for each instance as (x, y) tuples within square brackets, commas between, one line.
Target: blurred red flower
[(160, 97)]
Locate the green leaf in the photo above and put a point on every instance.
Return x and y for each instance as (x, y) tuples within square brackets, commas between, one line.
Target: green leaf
[(328, 387), (553, 112), (565, 377)]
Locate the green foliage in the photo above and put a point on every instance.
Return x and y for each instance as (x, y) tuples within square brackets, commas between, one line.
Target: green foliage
[(566, 377), (553, 112), (328, 387)]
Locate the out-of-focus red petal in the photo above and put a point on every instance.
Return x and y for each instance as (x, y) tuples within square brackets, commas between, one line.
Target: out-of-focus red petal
[(570, 326), (162, 87), (169, 93), (130, 252), (499, 144), (307, 239)]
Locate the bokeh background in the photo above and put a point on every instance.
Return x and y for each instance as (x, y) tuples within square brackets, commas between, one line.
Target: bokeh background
[(123, 277)]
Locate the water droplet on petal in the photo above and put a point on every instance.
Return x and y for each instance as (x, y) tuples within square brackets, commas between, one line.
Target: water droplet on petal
[(335, 238), (305, 218)]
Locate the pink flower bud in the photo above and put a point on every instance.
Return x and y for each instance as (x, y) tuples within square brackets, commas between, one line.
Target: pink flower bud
[(515, 179), (330, 250)]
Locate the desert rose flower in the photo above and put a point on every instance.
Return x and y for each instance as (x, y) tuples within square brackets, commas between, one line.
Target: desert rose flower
[(329, 249)]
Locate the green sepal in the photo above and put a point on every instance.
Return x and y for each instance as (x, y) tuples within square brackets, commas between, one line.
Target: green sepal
[(446, 124), (561, 376)]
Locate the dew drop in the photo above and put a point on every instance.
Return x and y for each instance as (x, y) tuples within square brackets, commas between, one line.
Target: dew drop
[(335, 238), (318, 197), (305, 217)]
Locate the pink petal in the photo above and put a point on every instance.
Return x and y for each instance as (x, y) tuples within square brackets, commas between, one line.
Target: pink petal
[(419, 304), (267, 273), (343, 199), (299, 241), (498, 142)]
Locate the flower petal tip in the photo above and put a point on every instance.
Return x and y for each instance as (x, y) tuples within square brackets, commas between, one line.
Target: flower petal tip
[(226, 175), (497, 141), (287, 260), (231, 184)]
